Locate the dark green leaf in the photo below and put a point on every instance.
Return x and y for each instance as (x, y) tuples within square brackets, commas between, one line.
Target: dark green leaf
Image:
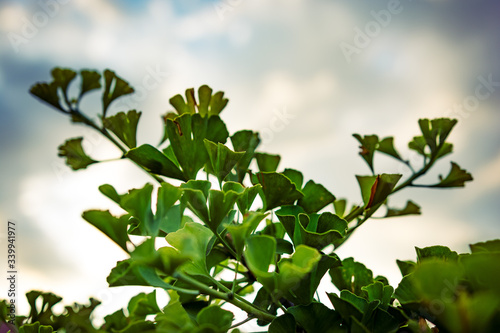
[(295, 176), (75, 155), (142, 305), (155, 161), (406, 267), (62, 78), (47, 92), (456, 178), (114, 228), (222, 159), (240, 232), (368, 146), (277, 190), (418, 144), (267, 162), (246, 194), (436, 131), (244, 141), (316, 317), (120, 88), (124, 126), (386, 146), (376, 189), (216, 316), (110, 192), (316, 197), (91, 80), (411, 208), (376, 291), (220, 203), (283, 324), (489, 246), (351, 276), (432, 252)]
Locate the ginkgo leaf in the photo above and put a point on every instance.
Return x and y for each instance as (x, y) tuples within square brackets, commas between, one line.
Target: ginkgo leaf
[(124, 126), (75, 156)]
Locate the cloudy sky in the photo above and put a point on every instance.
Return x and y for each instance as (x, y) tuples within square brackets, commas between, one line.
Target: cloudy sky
[(327, 69)]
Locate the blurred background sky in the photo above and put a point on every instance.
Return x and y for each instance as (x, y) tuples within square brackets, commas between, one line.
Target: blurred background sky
[(301, 59)]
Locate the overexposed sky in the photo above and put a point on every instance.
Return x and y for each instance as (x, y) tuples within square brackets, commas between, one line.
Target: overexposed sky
[(333, 67)]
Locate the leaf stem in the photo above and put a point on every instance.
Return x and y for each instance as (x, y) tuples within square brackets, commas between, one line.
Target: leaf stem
[(251, 309)]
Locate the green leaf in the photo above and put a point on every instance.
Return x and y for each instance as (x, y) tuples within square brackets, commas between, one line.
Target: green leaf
[(110, 192), (436, 252), (313, 230), (339, 205), (344, 307), (456, 178), (351, 276), (210, 105), (192, 241), (376, 189), (246, 194), (277, 190), (489, 246), (174, 317), (195, 195), (386, 146), (222, 159), (240, 232), (316, 197), (114, 228), (91, 80), (217, 103), (267, 162), (368, 146), (120, 88), (295, 176), (482, 271), (167, 196), (436, 131), (116, 320), (260, 254), (411, 208), (142, 305), (418, 144), (244, 141), (303, 293), (283, 324), (47, 92), (124, 126), (138, 203), (155, 161), (216, 316), (292, 270), (406, 267), (186, 134), (220, 203), (376, 291), (316, 317), (75, 156), (63, 77)]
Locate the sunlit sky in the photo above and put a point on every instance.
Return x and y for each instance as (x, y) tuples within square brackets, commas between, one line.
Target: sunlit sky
[(306, 60)]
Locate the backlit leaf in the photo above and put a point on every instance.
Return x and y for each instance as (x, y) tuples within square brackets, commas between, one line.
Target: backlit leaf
[(277, 189), (455, 178), (244, 141), (124, 126), (75, 156), (155, 161), (316, 197)]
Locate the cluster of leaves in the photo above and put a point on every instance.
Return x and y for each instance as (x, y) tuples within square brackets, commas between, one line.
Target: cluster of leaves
[(253, 230)]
